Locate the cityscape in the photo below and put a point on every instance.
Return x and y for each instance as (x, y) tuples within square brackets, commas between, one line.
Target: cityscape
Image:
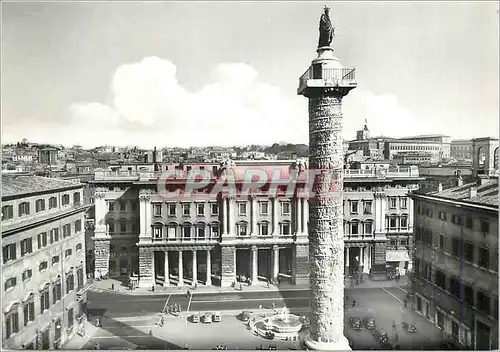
[(325, 209)]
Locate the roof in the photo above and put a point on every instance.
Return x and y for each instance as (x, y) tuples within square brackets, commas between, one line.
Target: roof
[(15, 185), (487, 193)]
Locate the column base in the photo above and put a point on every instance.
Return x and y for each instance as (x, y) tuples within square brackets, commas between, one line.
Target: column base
[(146, 282), (166, 284), (208, 283), (341, 345)]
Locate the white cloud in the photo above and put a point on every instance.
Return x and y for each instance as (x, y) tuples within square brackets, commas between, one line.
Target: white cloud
[(234, 109)]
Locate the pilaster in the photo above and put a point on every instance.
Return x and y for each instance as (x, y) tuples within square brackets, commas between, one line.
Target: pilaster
[(146, 267), (195, 268), (276, 230), (254, 230), (100, 207), (145, 215), (225, 215), (228, 269), (299, 221)]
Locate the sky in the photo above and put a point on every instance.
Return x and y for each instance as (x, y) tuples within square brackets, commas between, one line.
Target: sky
[(226, 73)]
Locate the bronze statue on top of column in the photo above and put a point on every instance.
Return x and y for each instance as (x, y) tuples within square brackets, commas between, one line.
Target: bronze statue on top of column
[(326, 30)]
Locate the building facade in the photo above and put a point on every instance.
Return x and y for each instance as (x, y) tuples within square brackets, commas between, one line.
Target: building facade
[(140, 233), (43, 261), (461, 149), (455, 276)]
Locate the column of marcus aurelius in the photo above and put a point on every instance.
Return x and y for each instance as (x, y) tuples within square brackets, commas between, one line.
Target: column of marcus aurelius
[(325, 83)]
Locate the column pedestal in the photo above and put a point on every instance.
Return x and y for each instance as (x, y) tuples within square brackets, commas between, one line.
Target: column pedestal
[(341, 345)]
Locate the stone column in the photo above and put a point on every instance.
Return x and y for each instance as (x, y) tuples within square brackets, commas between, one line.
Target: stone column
[(255, 230), (326, 242), (195, 268), (232, 217), (166, 283), (299, 216), (225, 222), (255, 263), (276, 262), (347, 260), (180, 282), (306, 216), (208, 282), (276, 229)]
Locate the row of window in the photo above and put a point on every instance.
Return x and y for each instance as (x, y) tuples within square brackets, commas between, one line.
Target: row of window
[(470, 223), (28, 273), (24, 207), (212, 231), (28, 306), (454, 285), (355, 227), (113, 227), (413, 147), (43, 240), (243, 209), (457, 247), (122, 206)]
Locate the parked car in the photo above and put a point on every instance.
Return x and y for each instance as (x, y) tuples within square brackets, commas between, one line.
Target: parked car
[(383, 339), (370, 323), (195, 318), (220, 347), (245, 315), (207, 318), (217, 317), (356, 323), (412, 328)]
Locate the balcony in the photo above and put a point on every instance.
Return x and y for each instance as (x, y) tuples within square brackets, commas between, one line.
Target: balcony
[(185, 239), (117, 175), (327, 77), (382, 173)]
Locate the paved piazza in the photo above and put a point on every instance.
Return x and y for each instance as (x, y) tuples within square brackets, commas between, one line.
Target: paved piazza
[(383, 304)]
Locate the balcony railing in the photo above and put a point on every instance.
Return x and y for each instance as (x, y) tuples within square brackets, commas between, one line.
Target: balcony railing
[(327, 77), (185, 239)]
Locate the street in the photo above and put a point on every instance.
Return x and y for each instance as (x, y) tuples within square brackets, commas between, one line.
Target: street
[(127, 320)]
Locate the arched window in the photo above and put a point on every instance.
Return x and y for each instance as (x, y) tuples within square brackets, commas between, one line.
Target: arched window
[(392, 222), (214, 229), (264, 228), (201, 229), (157, 230), (368, 227), (354, 227), (495, 158), (285, 228), (186, 230), (481, 157), (242, 228), (403, 221), (172, 230)]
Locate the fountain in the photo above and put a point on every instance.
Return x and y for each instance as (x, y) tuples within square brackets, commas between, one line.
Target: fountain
[(283, 325)]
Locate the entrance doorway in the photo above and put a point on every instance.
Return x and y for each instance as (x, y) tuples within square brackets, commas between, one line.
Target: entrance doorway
[(243, 264), (482, 336), (285, 264), (265, 264)]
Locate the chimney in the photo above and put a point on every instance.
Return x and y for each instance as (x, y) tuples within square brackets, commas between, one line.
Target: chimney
[(440, 187), (472, 192)]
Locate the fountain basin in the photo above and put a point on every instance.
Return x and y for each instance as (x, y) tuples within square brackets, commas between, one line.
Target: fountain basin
[(283, 323)]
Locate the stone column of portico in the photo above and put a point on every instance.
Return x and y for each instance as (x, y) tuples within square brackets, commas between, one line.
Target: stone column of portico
[(276, 262), (195, 268), (166, 282), (180, 282), (254, 263), (208, 281), (347, 261), (232, 217), (325, 84)]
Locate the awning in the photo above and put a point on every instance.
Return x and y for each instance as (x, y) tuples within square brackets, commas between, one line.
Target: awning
[(397, 256)]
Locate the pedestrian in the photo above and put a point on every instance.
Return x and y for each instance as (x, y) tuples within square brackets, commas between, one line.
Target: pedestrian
[(405, 302), (153, 288), (268, 283), (96, 346), (353, 303), (260, 307), (394, 324), (274, 306), (150, 332), (98, 322)]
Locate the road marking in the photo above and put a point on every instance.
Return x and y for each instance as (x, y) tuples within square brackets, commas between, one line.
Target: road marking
[(129, 326), (393, 295), (402, 289), (120, 337)]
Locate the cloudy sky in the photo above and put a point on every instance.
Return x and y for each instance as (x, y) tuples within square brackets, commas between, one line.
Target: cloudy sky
[(192, 74)]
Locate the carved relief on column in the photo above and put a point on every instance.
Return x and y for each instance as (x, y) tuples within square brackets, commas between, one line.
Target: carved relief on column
[(208, 281), (326, 243), (254, 263), (195, 268), (101, 253), (146, 267)]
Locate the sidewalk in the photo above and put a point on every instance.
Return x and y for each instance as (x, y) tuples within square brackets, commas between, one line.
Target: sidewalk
[(105, 285), (77, 342)]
